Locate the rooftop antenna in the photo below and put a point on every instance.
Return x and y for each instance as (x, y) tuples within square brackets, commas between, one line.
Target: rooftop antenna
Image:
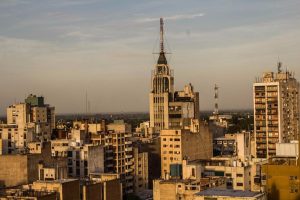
[(162, 59), (162, 48), (279, 66), (216, 111)]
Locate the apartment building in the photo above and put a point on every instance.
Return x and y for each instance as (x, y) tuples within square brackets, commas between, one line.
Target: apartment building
[(276, 111), (82, 159), (182, 143), (140, 170), (116, 139), (26, 122)]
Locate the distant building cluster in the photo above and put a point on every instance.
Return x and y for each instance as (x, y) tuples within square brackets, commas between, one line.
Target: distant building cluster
[(175, 155)]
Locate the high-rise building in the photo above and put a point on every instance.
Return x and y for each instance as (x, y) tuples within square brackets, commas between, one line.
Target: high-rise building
[(117, 141), (169, 108), (276, 111), (162, 89)]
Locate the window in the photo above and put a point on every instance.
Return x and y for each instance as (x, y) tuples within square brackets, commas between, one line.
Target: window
[(239, 184), (193, 172), (239, 175)]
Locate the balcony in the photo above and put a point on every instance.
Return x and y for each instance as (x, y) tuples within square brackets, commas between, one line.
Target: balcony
[(128, 142), (128, 149), (129, 170), (129, 163), (128, 156)]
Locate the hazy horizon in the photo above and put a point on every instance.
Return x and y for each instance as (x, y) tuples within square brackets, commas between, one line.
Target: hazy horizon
[(62, 48)]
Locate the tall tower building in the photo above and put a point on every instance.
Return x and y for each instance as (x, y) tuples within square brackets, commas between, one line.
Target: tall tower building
[(276, 111), (170, 109), (162, 89)]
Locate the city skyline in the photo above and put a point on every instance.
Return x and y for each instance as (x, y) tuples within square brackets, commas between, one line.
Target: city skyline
[(70, 47)]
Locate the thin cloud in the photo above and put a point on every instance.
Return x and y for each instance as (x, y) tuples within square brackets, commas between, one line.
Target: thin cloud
[(173, 17)]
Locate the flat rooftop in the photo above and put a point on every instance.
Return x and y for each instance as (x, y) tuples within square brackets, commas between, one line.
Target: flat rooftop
[(56, 181), (227, 193)]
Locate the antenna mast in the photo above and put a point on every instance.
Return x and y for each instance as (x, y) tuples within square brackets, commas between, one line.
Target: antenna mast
[(216, 111), (279, 65), (162, 35)]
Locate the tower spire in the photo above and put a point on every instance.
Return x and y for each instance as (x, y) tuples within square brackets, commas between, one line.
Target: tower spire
[(162, 58), (162, 35)]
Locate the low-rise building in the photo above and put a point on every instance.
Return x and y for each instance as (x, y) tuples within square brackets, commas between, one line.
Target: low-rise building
[(225, 194), (66, 189), (23, 169), (102, 187)]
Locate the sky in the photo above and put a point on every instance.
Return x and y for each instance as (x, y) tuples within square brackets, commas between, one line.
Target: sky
[(63, 49)]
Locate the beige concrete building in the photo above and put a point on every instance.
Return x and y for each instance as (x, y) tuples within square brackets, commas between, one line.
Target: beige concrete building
[(66, 189), (143, 130), (237, 145), (82, 159), (276, 111), (22, 169), (140, 170), (15, 138), (179, 144), (169, 108), (85, 160), (27, 122), (237, 173), (116, 140), (18, 114), (186, 186), (102, 187)]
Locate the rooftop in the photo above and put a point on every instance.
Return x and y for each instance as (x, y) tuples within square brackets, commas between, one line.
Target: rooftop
[(228, 193), (57, 181)]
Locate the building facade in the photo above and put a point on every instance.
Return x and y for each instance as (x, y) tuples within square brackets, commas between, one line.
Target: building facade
[(276, 111)]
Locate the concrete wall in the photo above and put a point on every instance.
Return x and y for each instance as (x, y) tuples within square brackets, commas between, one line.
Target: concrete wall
[(113, 190), (93, 192), (68, 190), (23, 169)]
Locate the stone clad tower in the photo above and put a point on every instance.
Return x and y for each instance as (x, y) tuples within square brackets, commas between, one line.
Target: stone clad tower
[(162, 89)]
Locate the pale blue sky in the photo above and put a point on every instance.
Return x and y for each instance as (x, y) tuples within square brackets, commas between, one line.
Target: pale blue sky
[(61, 48)]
